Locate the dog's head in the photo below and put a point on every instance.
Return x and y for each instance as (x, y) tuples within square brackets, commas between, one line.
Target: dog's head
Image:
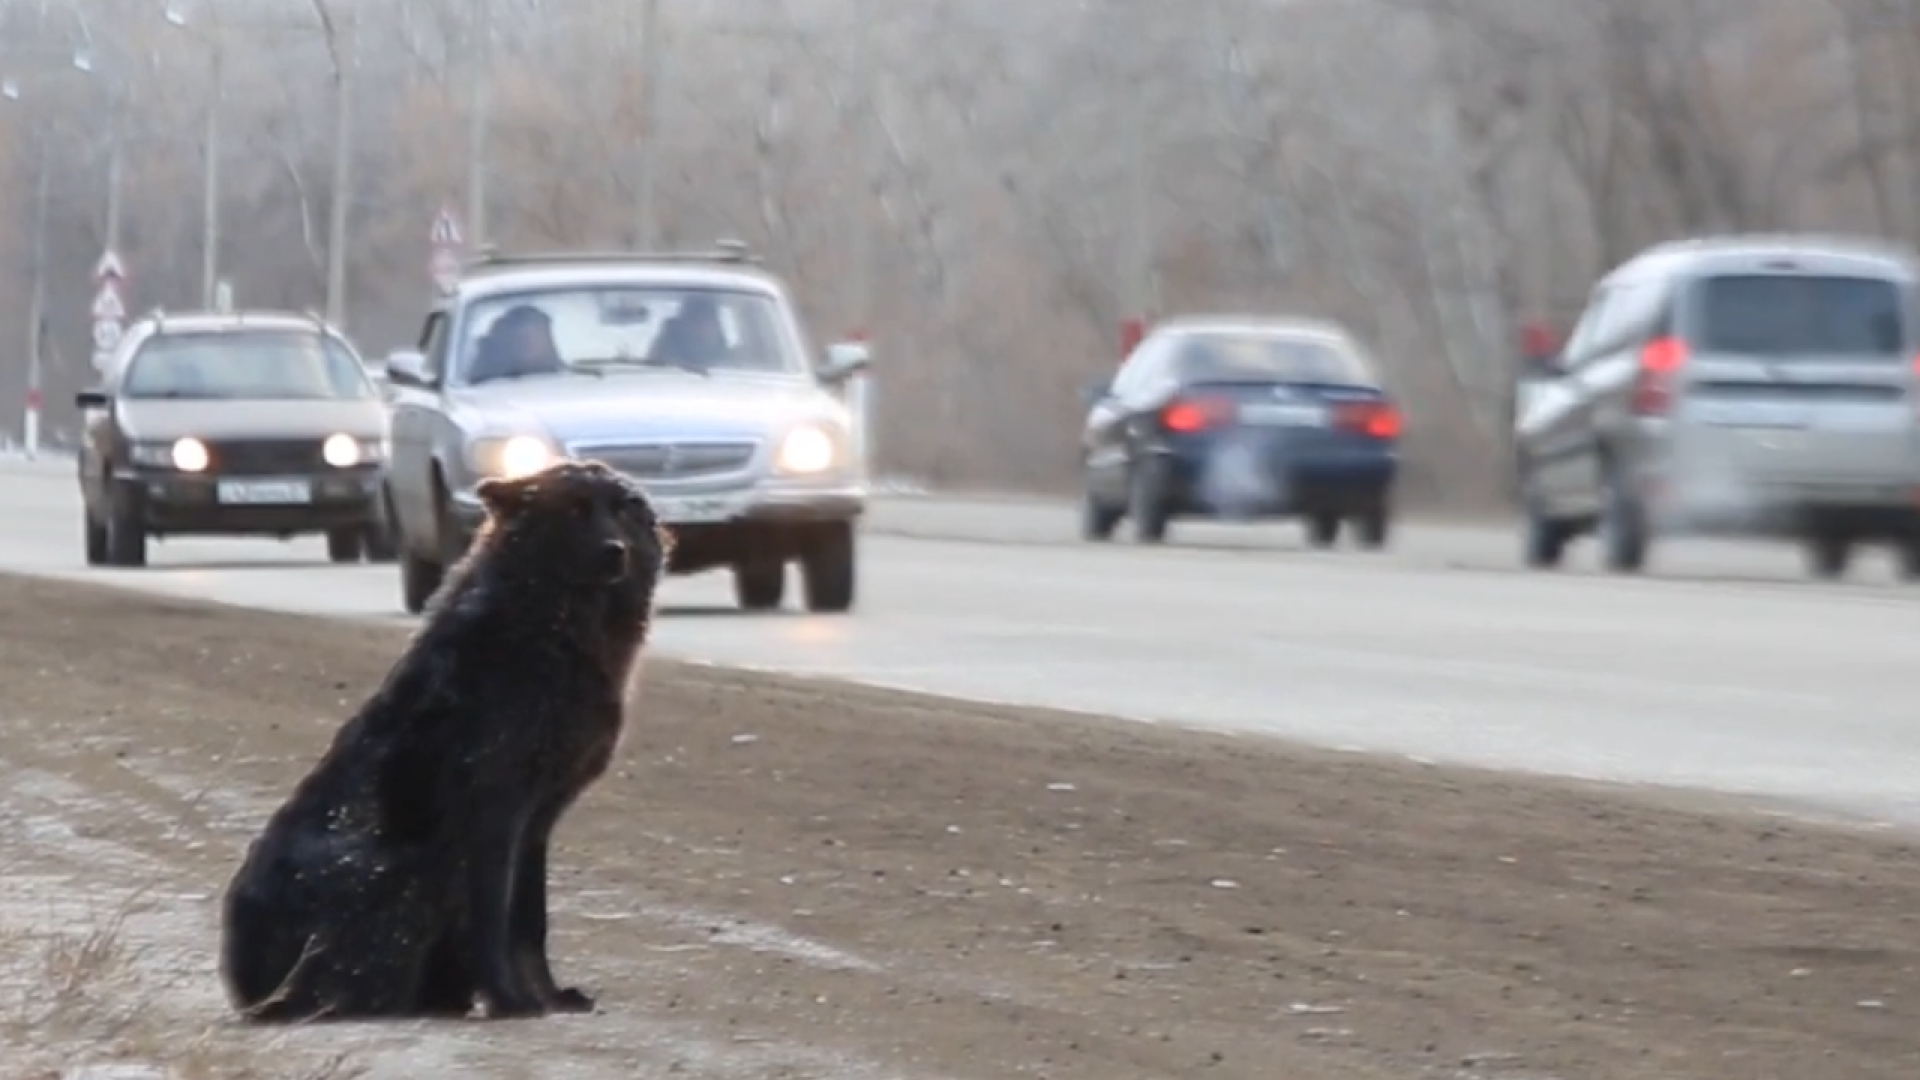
[(584, 523)]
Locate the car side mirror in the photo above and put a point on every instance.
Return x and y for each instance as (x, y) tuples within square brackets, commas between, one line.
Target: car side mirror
[(92, 399), (406, 368), (843, 361)]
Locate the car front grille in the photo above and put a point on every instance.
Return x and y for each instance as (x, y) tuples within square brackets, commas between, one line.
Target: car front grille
[(673, 461), (265, 457)]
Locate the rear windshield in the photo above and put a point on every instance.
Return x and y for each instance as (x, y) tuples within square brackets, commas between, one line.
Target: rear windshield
[(250, 365), (1797, 315), (1268, 357)]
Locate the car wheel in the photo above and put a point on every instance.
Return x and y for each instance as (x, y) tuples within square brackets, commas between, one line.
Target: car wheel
[(96, 534), (1623, 526), (1372, 527), (760, 586), (1907, 553), (126, 531), (421, 577), (1544, 539), (827, 568), (1097, 522), (1829, 553), (343, 545), (1323, 529), (1147, 500), (379, 541)]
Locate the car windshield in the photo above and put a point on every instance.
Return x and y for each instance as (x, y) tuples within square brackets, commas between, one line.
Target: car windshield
[(1270, 356), (628, 328), (1799, 315), (249, 365)]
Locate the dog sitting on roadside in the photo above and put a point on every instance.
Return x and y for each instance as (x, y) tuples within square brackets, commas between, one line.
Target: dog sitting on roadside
[(406, 874)]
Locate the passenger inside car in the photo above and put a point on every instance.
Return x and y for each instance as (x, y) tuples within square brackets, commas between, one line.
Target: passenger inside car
[(519, 343), (693, 337)]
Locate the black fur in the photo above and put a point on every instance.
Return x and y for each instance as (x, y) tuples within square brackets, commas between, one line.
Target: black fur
[(406, 874)]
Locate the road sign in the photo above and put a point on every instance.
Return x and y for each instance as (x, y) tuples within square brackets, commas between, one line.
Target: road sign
[(445, 268), (109, 268), (107, 305), (106, 334), (446, 230)]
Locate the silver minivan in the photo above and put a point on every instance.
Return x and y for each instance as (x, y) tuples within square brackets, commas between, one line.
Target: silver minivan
[(1744, 385)]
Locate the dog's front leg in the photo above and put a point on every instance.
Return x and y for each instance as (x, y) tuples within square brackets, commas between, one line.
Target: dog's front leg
[(528, 923), (491, 871)]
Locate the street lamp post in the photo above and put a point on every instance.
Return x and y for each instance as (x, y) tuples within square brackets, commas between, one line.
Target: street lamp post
[(37, 306), (481, 57), (210, 189)]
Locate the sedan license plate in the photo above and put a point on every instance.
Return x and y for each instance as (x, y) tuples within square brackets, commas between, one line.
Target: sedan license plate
[(1284, 414), (265, 492), (694, 509)]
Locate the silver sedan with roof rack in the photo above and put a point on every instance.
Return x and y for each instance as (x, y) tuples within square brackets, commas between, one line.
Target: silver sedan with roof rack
[(689, 371)]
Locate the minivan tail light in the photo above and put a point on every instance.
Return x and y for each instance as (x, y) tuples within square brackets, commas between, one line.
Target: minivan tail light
[(1660, 362), (1374, 419), (1189, 415)]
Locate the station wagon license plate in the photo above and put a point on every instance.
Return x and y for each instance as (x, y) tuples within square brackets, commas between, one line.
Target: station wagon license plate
[(694, 509), (265, 492), (1284, 414)]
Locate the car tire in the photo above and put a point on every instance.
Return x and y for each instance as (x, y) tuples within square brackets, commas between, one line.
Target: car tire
[(1097, 522), (126, 530), (760, 586), (1544, 540), (1147, 500), (827, 569), (1622, 526), (1372, 528), (421, 577), (380, 543), (1323, 530), (1907, 557), (344, 545), (96, 539), (1829, 554)]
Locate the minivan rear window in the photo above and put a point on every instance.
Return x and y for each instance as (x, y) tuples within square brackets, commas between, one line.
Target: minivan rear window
[(1799, 315)]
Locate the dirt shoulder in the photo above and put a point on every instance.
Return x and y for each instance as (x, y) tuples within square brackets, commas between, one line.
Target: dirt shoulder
[(793, 879)]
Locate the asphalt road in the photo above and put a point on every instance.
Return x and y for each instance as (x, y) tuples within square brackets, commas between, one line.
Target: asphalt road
[(1723, 669)]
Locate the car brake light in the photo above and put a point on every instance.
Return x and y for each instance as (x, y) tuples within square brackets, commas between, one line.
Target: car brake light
[(1374, 419), (1660, 360), (1189, 415)]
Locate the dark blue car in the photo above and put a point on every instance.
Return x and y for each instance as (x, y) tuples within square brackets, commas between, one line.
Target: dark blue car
[(1242, 419)]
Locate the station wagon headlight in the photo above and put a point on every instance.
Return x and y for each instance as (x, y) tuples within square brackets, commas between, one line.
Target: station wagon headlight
[(342, 451), (189, 455), (185, 455), (805, 451), (513, 457)]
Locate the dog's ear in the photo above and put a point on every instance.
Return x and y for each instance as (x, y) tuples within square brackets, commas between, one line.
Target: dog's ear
[(505, 498)]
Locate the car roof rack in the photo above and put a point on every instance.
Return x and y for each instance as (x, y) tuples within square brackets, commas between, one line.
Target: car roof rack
[(724, 250)]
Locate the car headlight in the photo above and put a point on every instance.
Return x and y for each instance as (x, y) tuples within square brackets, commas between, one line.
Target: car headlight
[(344, 451), (513, 457), (806, 451), (184, 455)]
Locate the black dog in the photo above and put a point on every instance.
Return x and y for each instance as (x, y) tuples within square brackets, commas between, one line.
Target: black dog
[(406, 874)]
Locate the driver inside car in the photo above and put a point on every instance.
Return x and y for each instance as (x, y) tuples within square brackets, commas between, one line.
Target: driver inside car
[(694, 338), (519, 343)]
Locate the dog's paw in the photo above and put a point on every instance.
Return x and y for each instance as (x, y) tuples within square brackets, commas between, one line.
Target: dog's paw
[(515, 1009), (572, 999)]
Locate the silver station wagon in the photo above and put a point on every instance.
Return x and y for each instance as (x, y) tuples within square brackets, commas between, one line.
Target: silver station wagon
[(689, 372), (1744, 385)]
